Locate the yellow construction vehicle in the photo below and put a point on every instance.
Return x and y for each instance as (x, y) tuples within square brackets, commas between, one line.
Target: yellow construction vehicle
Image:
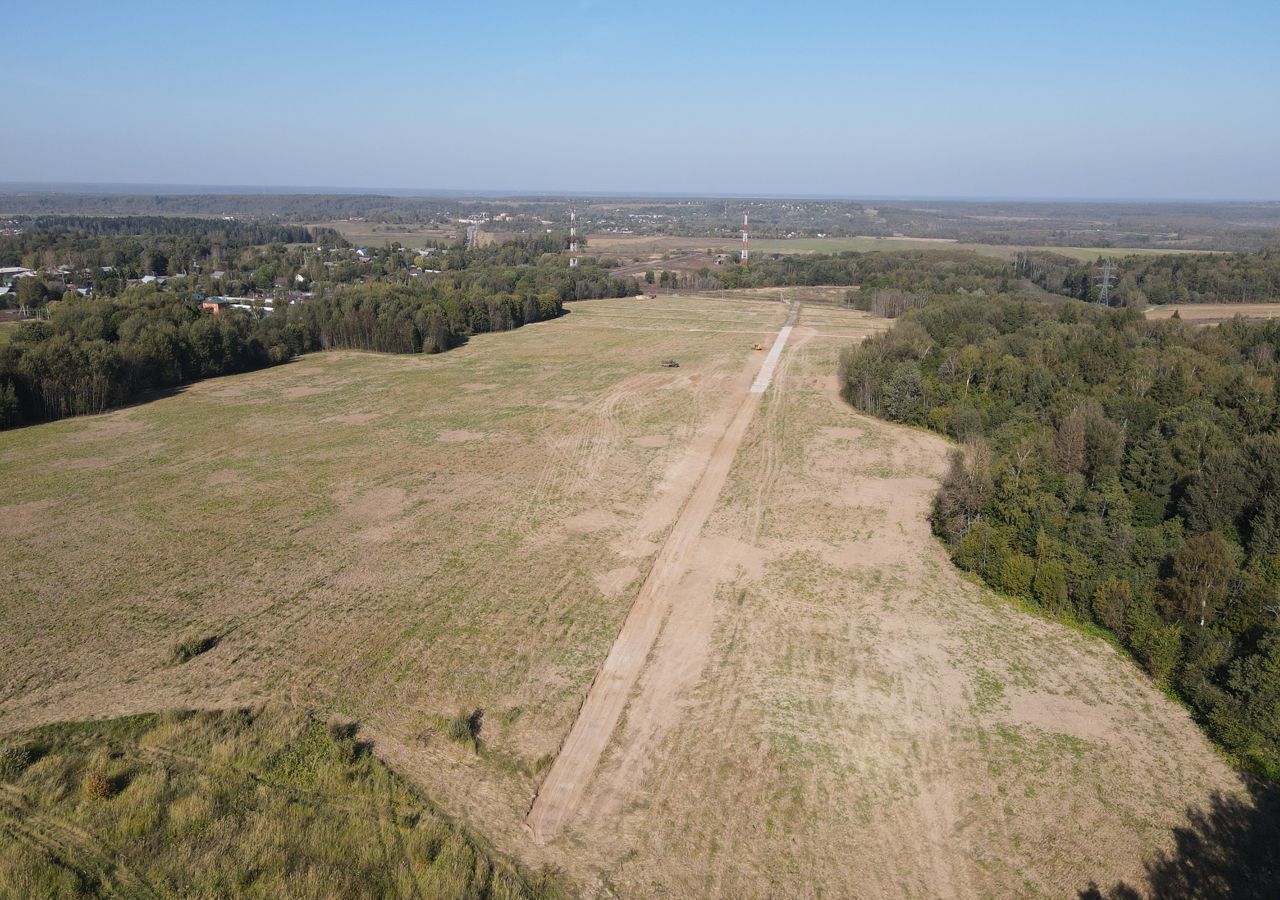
[(758, 347)]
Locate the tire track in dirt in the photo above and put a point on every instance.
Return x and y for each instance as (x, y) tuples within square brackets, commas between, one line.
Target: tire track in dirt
[(774, 428), (562, 791)]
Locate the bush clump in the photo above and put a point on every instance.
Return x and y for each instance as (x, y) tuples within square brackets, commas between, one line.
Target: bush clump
[(189, 648)]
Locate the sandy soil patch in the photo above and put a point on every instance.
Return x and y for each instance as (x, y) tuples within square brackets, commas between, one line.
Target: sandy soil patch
[(461, 436), (615, 580), (354, 418), (88, 462), (652, 440), (17, 518)]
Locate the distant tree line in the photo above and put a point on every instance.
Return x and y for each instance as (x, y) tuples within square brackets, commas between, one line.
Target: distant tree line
[(1135, 280), (144, 245), (91, 355), (929, 271), (1164, 278), (437, 315), (1116, 470)]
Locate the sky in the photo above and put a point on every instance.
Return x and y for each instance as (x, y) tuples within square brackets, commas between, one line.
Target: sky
[(1125, 99)]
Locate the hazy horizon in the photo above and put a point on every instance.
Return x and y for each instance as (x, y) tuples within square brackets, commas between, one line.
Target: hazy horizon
[(127, 188), (1149, 102)]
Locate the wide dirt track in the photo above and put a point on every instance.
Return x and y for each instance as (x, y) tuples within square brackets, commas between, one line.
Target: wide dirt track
[(827, 708)]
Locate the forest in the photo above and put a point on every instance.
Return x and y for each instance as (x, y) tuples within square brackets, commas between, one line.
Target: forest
[(1114, 471), (439, 314), (144, 245), (89, 355), (933, 271), (1167, 278)]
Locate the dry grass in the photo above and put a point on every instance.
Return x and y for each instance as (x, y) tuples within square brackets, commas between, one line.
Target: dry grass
[(375, 234), (248, 803), (1214, 313), (402, 541), (833, 711)]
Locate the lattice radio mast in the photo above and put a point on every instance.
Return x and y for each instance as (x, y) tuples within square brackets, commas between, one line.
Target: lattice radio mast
[(1104, 281), (573, 238)]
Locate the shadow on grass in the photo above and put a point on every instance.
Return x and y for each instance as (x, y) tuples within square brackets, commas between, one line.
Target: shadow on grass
[(1228, 849)]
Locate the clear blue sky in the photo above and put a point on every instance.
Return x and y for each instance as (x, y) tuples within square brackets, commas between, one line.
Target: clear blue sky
[(1127, 99)]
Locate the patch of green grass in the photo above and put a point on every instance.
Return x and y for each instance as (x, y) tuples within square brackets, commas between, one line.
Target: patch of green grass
[(261, 803), (988, 691)]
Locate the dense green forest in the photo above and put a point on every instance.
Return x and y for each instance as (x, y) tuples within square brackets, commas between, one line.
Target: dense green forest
[(435, 316), (91, 355), (1115, 470)]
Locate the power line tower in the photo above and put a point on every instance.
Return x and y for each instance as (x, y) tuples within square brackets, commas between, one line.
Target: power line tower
[(1105, 280), (745, 232), (573, 238)]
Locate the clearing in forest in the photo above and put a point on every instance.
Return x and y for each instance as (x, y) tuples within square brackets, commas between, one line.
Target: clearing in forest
[(445, 548), (1214, 313)]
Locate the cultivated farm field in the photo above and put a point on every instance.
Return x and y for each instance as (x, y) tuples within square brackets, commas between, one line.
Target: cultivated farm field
[(444, 549)]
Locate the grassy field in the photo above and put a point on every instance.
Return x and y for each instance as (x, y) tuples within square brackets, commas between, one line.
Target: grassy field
[(1214, 313), (246, 803), (6, 331), (443, 548), (376, 234)]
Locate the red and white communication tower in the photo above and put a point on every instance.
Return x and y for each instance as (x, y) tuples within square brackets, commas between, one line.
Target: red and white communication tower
[(745, 213), (573, 238)]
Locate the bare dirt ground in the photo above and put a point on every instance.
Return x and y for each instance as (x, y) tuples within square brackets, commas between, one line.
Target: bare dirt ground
[(828, 708), (1214, 313), (562, 790)]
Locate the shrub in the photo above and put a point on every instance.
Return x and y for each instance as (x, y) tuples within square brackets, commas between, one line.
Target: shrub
[(1111, 603), (189, 648), (1017, 574), (1156, 643), (14, 759), (1051, 586), (465, 727), (96, 785)]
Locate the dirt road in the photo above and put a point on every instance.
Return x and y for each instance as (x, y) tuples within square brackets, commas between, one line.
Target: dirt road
[(563, 789)]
